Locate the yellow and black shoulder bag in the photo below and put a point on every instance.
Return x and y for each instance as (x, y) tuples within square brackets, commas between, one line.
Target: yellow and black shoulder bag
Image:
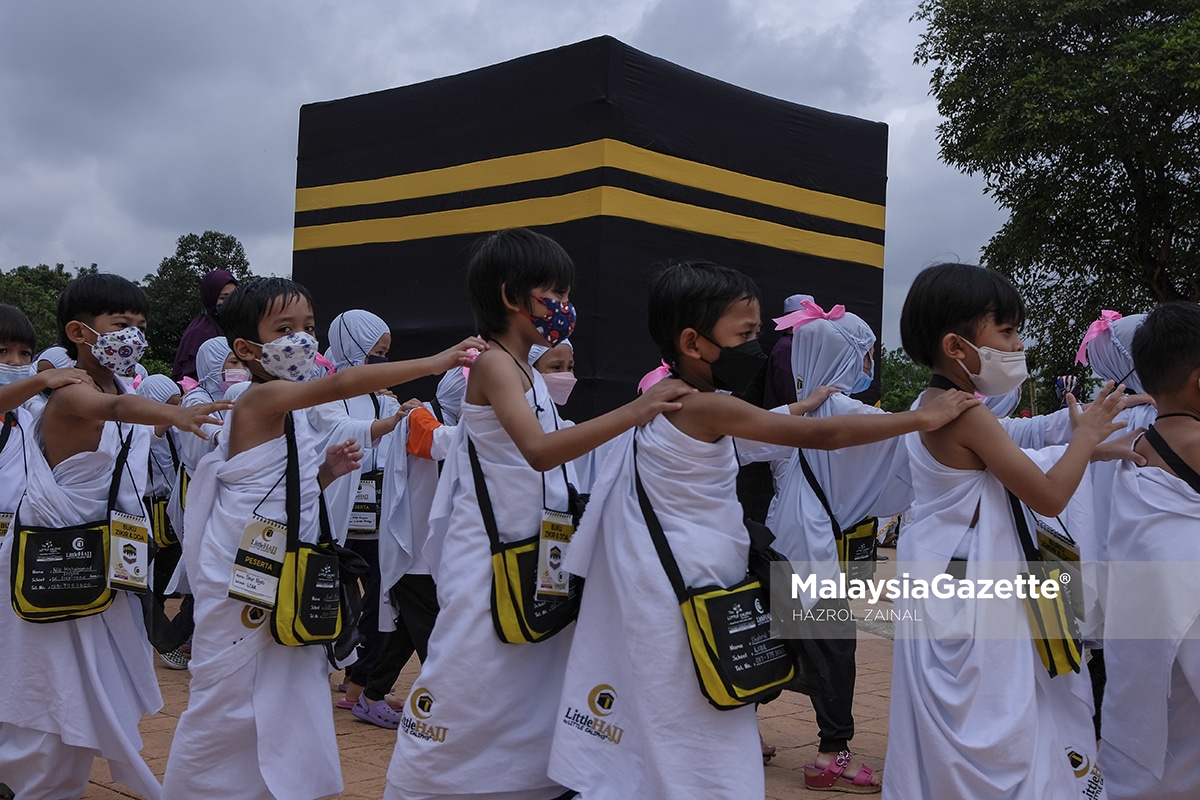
[(857, 545), (311, 602), (1052, 621), (59, 574), (518, 615), (728, 629), (160, 523)]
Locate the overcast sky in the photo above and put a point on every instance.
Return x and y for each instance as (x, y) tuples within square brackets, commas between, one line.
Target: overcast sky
[(124, 125)]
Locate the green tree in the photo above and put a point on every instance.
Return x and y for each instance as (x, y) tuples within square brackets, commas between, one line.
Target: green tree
[(35, 291), (1081, 115), (174, 289), (902, 380)]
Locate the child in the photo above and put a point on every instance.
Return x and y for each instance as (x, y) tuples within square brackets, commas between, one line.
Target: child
[(478, 721), (259, 723), (77, 688), (1151, 745), (665, 740), (974, 714)]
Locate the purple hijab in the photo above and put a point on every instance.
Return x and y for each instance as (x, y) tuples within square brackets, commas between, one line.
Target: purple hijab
[(203, 327)]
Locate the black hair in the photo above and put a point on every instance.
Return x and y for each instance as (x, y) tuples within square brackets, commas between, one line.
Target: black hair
[(692, 294), (90, 296), (250, 301), (1166, 347), (955, 298), (520, 260), (16, 327)]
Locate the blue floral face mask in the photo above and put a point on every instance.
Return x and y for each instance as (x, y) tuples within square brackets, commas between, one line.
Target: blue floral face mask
[(557, 323), (290, 357)]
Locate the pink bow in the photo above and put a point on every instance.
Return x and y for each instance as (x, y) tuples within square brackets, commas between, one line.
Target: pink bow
[(1107, 318), (653, 376), (807, 312)]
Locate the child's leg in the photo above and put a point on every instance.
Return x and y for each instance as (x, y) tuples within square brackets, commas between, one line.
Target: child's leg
[(38, 766), (835, 717)]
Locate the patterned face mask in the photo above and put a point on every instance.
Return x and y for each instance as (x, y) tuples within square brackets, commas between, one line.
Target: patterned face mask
[(119, 350), (557, 323), (290, 357)]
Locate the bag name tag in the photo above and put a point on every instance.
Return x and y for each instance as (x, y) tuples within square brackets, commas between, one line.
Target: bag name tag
[(259, 562), (5, 523), (129, 553), (364, 516), (553, 580)]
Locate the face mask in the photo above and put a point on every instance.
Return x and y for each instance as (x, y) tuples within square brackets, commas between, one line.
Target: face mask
[(736, 367), (232, 376), (1000, 371), (291, 357), (558, 322), (217, 309), (864, 381), (120, 350), (10, 374), (560, 385), (374, 359)]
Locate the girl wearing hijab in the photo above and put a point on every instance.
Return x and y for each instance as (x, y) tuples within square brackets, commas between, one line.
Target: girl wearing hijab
[(214, 288)]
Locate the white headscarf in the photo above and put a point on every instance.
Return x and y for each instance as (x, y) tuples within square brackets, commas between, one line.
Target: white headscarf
[(451, 390), (1110, 354), (1003, 405), (55, 355), (159, 388), (352, 336), (210, 362), (539, 350), (830, 352)]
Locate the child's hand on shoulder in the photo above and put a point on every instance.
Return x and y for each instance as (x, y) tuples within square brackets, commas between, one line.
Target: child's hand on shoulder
[(58, 378), (1096, 421), (461, 355), (662, 396), (1120, 449), (944, 408), (813, 401), (191, 419)]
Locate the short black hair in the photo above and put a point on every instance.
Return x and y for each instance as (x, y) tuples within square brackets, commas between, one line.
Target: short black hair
[(1166, 347), (955, 298), (89, 296), (16, 328), (520, 260), (692, 294), (250, 301)]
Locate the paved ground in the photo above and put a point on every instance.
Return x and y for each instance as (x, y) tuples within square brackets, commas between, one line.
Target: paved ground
[(366, 750)]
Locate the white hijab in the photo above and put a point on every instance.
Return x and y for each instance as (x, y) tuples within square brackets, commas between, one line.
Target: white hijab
[(1110, 354), (352, 336), (210, 363), (830, 352)]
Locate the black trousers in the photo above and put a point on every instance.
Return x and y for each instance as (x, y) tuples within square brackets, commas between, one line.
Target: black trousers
[(368, 622), (416, 598), (835, 713)]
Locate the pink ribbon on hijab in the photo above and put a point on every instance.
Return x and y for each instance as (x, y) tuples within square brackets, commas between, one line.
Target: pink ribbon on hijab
[(1107, 318), (808, 312), (653, 376)]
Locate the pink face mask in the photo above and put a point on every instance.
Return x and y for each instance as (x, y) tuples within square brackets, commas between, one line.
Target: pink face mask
[(560, 385)]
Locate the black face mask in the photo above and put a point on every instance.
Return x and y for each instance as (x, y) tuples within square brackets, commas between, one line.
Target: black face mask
[(736, 367), (374, 359)]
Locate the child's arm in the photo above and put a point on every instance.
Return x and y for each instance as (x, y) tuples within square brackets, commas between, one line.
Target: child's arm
[(83, 401), (18, 392), (340, 459), (503, 385), (981, 436), (260, 410), (709, 416)]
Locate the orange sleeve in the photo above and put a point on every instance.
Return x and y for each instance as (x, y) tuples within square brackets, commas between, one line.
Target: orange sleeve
[(421, 425)]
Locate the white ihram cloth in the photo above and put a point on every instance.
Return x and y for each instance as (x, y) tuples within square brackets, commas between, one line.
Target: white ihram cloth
[(1151, 712), (660, 739), (977, 717), (409, 485), (87, 682), (259, 723), (494, 704)]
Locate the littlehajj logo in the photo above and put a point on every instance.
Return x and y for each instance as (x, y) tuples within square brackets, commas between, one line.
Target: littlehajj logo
[(421, 703), (758, 605), (267, 534), (1080, 763), (601, 700), (253, 616), (78, 543)]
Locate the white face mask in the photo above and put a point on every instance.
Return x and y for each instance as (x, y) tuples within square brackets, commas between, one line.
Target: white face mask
[(119, 350), (560, 385), (290, 357), (10, 374), (1000, 371)]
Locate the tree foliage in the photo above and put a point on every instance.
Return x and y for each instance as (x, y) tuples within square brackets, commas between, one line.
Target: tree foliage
[(174, 289), (902, 380), (1081, 116), (35, 291)]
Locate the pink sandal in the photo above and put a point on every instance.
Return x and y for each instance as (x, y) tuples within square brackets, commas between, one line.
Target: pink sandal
[(832, 779)]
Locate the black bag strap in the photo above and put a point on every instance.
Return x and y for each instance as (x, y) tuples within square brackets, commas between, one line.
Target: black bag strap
[(114, 488), (437, 410), (820, 493), (1173, 460), (1032, 553), (658, 536), (175, 462), (10, 422), (291, 488), (485, 500)]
